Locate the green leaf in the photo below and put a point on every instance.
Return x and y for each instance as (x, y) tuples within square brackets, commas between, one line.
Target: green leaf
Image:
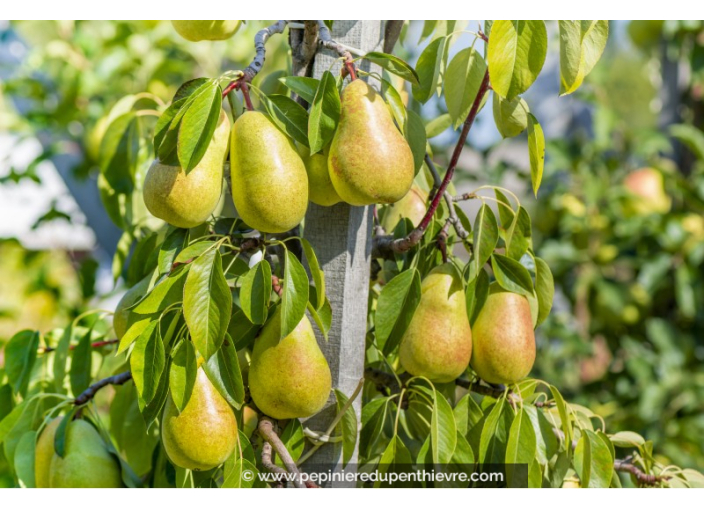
[(12, 418), (396, 305), (467, 414), (161, 130), (207, 303), (593, 461), (544, 289), (81, 364), (346, 428), (304, 87), (519, 235), (511, 275), (255, 292), (147, 362), (20, 355), (438, 125), (233, 476), (24, 459), (536, 152), (415, 135), (691, 136), (463, 80), (168, 250), (510, 116), (581, 44), (431, 64), (60, 357), (486, 236), (564, 418), (394, 65), (198, 126), (494, 434), (480, 289), (428, 29), (516, 54), (119, 152), (393, 99), (322, 317), (294, 298), (316, 273), (293, 439), (395, 459), (224, 372), (506, 213), (151, 410), (324, 113), (521, 447), (289, 116), (192, 251), (60, 435), (443, 430), (182, 373), (165, 293), (627, 439)]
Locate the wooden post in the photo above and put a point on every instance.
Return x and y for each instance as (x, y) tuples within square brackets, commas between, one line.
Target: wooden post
[(341, 237)]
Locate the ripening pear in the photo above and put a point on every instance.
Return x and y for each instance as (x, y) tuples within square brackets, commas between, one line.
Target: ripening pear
[(269, 180), (43, 453), (320, 188), (370, 160), (647, 192), (206, 30), (504, 341), (187, 199), (413, 206), (288, 378), (87, 463), (438, 341), (204, 434), (121, 317)]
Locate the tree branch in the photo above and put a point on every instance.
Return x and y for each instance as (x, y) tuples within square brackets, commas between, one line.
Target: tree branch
[(90, 392), (268, 433), (626, 466), (392, 31), (326, 41), (268, 464), (94, 345)]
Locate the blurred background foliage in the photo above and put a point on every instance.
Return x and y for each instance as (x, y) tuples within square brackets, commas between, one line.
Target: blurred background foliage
[(626, 337)]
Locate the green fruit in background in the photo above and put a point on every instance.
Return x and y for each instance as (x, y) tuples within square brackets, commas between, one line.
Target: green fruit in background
[(645, 33), (206, 30), (183, 199), (288, 378), (504, 340), (87, 463), (120, 319), (320, 188), (269, 180), (204, 434), (646, 188), (438, 341), (250, 420), (44, 453), (370, 160), (412, 206)]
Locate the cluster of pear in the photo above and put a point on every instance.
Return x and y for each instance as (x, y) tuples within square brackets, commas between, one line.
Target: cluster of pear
[(368, 162), (440, 345)]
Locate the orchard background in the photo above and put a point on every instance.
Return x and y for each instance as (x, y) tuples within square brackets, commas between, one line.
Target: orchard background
[(620, 349)]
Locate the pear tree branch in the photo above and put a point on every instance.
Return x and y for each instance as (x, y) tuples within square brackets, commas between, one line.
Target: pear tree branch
[(90, 392), (326, 41), (268, 432), (392, 31), (626, 466), (453, 218)]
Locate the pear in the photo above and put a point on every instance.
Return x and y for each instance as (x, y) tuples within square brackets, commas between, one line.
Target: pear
[(647, 193), (269, 180), (438, 341), (504, 341), (120, 319), (187, 199), (204, 434), (44, 453), (320, 188), (412, 206), (206, 30), (370, 161), (250, 421), (288, 378), (87, 463)]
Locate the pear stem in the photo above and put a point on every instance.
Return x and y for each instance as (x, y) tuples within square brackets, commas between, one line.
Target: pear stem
[(90, 392), (268, 433), (245, 93)]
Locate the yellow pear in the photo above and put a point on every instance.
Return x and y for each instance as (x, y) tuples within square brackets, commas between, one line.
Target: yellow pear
[(204, 434), (269, 180), (320, 188), (413, 206), (504, 340), (647, 192), (187, 199), (87, 463), (121, 316), (206, 30), (438, 341), (288, 378), (44, 453), (370, 161)]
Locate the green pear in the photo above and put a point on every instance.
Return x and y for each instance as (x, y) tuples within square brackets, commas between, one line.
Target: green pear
[(504, 340), (413, 206), (320, 188), (288, 378), (204, 434), (206, 30), (44, 453), (370, 160), (438, 341), (647, 193), (87, 463), (269, 180), (187, 199), (120, 319)]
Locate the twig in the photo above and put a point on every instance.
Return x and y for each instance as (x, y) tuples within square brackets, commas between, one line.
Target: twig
[(260, 47), (392, 31), (326, 41), (269, 465), (90, 392), (626, 466), (268, 433), (94, 345), (464, 196)]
